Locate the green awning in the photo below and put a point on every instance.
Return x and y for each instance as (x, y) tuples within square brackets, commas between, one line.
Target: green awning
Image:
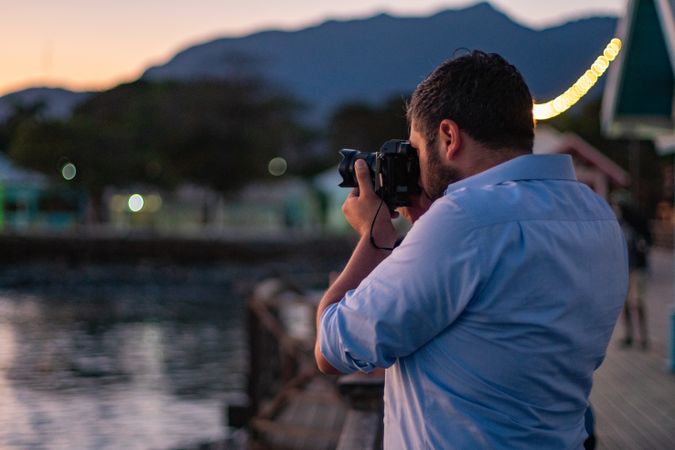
[(638, 100)]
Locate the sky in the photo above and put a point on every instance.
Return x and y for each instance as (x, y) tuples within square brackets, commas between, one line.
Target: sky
[(97, 44)]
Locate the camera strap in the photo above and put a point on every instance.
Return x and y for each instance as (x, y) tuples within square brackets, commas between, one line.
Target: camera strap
[(372, 226)]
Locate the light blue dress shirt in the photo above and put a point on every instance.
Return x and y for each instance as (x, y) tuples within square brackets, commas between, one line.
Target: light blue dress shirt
[(492, 314)]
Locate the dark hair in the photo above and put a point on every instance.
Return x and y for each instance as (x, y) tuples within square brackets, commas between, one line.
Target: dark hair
[(484, 94)]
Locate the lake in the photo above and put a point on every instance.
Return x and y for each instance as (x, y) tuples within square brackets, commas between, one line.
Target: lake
[(119, 356)]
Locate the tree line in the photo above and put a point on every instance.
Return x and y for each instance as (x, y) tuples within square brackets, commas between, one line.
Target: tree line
[(221, 134), (218, 134)]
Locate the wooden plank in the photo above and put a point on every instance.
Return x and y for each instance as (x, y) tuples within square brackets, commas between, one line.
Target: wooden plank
[(290, 433), (361, 430), (631, 408), (633, 395), (644, 398)]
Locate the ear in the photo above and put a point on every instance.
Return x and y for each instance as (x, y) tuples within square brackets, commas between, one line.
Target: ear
[(450, 138)]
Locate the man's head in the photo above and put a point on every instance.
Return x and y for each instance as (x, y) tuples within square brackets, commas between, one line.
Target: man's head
[(470, 113)]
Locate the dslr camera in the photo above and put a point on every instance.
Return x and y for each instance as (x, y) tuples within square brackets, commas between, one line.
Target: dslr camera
[(395, 171)]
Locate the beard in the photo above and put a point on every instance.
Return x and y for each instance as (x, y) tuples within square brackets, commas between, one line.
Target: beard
[(438, 176)]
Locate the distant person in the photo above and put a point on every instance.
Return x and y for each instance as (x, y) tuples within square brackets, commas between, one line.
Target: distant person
[(635, 226), (493, 313)]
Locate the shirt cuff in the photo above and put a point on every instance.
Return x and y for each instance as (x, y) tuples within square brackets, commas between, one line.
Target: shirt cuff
[(332, 344)]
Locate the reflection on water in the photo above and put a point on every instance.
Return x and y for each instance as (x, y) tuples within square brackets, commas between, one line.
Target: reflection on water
[(117, 357)]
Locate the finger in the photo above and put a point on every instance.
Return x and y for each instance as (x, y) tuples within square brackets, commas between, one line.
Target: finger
[(354, 192), (363, 178)]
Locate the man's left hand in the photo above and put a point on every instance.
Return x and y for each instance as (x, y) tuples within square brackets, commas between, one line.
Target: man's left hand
[(419, 205)]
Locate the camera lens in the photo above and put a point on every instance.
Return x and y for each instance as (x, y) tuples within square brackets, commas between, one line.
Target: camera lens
[(346, 167)]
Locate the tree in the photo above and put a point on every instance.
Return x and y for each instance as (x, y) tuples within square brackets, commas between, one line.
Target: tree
[(219, 134), (366, 127), (100, 156), (20, 114)]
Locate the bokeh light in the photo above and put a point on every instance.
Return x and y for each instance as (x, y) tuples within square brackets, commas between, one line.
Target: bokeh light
[(68, 171), (136, 202), (118, 203), (560, 104), (277, 166), (153, 202)]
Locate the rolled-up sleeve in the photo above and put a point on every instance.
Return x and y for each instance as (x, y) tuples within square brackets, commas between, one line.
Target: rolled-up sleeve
[(413, 295), (335, 349)]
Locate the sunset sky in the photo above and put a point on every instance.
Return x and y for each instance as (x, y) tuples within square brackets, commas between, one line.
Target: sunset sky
[(95, 44)]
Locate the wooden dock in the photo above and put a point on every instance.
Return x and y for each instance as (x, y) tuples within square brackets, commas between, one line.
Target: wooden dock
[(634, 392), (295, 407)]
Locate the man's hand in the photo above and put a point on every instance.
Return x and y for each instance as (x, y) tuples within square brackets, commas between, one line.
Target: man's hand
[(362, 205), (419, 205)]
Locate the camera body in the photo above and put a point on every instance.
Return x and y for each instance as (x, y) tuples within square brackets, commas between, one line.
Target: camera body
[(395, 171)]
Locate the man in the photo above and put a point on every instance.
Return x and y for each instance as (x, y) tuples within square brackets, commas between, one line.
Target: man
[(635, 226), (495, 310)]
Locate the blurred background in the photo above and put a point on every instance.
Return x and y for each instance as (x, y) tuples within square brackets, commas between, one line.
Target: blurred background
[(159, 159)]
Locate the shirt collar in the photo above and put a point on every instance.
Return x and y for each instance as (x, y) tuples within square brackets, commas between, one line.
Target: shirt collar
[(526, 167)]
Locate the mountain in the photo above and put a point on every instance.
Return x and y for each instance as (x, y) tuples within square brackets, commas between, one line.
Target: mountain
[(58, 103), (370, 59), (373, 58)]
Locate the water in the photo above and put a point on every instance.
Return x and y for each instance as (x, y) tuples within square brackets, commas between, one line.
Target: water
[(115, 357)]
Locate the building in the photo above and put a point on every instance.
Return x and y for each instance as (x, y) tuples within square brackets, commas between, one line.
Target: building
[(639, 98), (592, 167), (28, 201), (640, 92)]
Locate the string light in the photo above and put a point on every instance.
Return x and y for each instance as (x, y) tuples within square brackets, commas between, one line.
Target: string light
[(563, 102)]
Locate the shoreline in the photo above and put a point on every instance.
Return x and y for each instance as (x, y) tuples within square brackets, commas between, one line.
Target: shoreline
[(92, 247)]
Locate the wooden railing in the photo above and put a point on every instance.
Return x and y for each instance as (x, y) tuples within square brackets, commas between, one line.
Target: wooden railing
[(282, 368), (277, 361)]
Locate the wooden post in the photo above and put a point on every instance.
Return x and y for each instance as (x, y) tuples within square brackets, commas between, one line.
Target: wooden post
[(363, 426)]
